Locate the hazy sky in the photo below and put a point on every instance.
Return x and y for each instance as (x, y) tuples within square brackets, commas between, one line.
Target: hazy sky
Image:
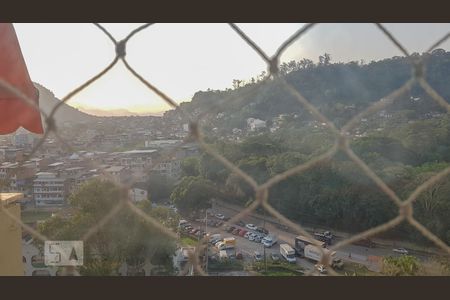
[(181, 59)]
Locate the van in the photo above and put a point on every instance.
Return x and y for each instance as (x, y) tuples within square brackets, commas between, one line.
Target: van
[(288, 253)]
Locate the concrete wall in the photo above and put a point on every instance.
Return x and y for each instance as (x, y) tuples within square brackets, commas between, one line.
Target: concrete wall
[(10, 237)]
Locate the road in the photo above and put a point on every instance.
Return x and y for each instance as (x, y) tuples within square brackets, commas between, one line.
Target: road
[(349, 253)]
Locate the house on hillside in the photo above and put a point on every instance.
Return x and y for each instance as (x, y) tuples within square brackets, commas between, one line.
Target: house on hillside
[(255, 124)]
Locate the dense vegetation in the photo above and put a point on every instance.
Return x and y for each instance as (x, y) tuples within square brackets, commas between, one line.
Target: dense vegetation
[(405, 145), (124, 237)]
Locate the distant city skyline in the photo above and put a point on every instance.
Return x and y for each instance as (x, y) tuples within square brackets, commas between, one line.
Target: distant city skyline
[(181, 59)]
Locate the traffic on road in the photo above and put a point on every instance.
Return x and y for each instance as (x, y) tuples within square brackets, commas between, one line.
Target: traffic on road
[(251, 242)]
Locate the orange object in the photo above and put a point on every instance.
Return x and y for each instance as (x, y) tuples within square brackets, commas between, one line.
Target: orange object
[(14, 112)]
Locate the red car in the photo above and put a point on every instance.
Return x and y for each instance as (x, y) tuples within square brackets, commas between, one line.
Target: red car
[(242, 232)]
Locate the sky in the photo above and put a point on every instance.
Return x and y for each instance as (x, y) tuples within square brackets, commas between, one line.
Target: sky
[(181, 59)]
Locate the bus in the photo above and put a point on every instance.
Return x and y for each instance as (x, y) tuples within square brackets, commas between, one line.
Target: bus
[(302, 241)]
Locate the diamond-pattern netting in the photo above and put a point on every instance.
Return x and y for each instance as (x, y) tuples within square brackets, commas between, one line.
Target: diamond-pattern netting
[(261, 191)]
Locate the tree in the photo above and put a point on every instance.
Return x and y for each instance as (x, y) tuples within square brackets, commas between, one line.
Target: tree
[(324, 59), (410, 266), (124, 237), (193, 194), (237, 83), (190, 166), (401, 266), (159, 187)]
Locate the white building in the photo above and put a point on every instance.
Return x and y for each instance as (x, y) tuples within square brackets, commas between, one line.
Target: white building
[(48, 190), (137, 159), (138, 195), (255, 124), (22, 138)]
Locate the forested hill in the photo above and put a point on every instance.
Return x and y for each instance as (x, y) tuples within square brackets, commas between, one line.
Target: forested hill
[(404, 145), (329, 86)]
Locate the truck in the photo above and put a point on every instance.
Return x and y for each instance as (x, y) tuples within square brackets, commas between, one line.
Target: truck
[(323, 237), (301, 242), (314, 253), (365, 243), (288, 253), (269, 240), (227, 243)]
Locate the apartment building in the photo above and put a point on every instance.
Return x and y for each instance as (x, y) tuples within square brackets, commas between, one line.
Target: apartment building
[(49, 190), (169, 168), (17, 178)]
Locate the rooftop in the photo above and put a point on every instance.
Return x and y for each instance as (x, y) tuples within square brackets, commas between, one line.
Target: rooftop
[(74, 169), (139, 151), (114, 169), (8, 198), (56, 164), (45, 174)]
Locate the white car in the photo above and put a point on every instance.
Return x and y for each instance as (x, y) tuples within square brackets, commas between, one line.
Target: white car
[(247, 234), (251, 226), (321, 268), (400, 250), (251, 236), (220, 216)]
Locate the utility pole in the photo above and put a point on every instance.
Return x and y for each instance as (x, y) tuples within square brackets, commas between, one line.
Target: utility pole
[(264, 226), (207, 240)]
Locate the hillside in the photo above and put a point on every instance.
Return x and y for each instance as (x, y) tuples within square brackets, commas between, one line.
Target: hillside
[(331, 87), (65, 113)]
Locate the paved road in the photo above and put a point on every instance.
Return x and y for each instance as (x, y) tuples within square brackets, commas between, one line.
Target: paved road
[(351, 253), (248, 248)]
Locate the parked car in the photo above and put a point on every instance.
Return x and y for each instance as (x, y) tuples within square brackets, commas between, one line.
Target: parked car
[(257, 256), (215, 241), (184, 225), (321, 268), (328, 234), (251, 236), (188, 228), (231, 228), (400, 250), (262, 230), (243, 232), (240, 223), (251, 226), (275, 257), (239, 255), (218, 223), (258, 239), (193, 231), (235, 231), (220, 216), (226, 218), (247, 234)]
